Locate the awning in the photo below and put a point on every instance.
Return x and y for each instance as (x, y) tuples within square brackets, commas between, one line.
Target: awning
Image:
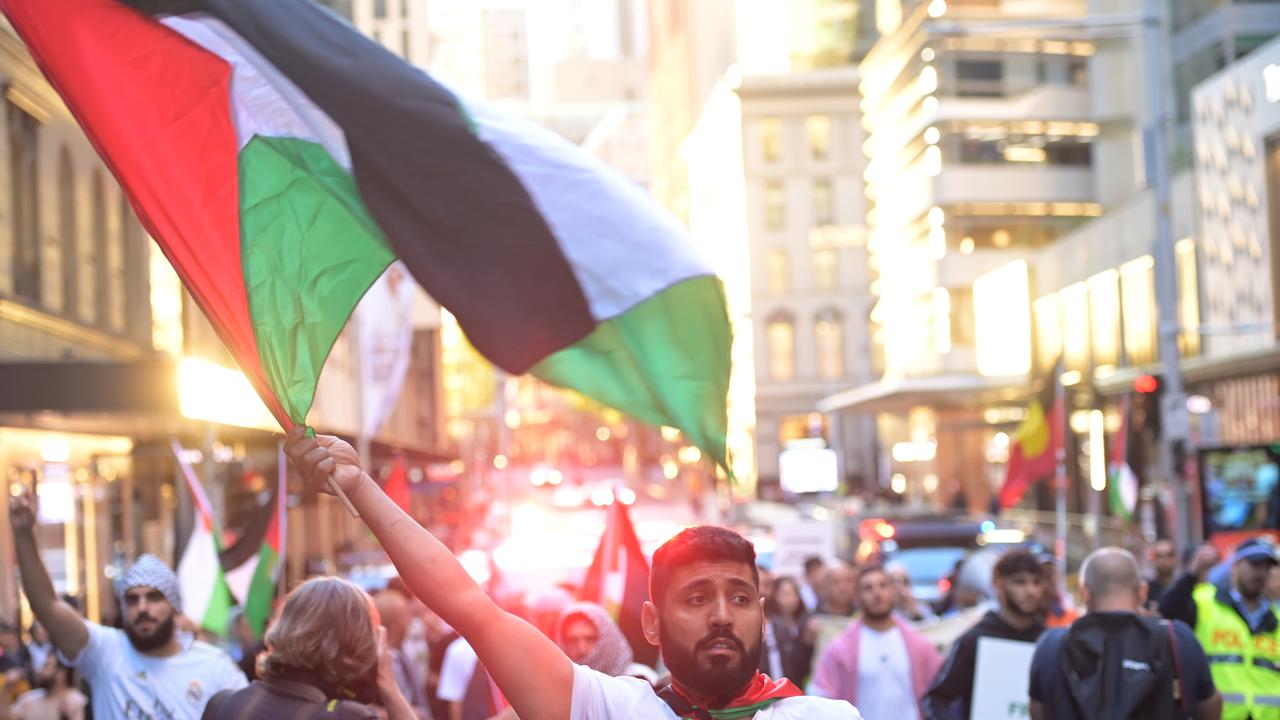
[(137, 398), (1257, 361), (937, 391)]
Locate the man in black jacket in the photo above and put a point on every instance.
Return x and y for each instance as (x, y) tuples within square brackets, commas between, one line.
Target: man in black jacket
[(1020, 588)]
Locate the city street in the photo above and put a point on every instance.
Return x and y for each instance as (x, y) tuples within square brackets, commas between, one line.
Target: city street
[(732, 359)]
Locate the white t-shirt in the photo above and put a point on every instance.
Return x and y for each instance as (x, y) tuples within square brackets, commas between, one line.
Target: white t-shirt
[(127, 684), (884, 675), (597, 696), (456, 670)]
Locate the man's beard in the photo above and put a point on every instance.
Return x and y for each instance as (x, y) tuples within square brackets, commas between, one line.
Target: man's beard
[(156, 640), (722, 682), (868, 614)]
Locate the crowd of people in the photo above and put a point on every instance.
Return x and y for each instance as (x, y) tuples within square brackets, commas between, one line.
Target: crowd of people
[(734, 640)]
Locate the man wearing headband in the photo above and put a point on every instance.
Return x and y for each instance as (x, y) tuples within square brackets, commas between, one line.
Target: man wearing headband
[(1237, 625), (146, 670)]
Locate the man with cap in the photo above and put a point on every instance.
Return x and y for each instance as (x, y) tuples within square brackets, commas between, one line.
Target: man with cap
[(147, 670), (1237, 625)]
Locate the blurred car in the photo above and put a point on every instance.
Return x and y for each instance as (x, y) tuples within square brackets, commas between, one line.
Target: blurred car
[(930, 569)]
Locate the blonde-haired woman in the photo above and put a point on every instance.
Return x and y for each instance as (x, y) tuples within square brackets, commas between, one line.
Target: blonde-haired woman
[(324, 650)]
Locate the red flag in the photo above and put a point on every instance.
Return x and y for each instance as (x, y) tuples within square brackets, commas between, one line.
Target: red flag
[(618, 580), (397, 486)]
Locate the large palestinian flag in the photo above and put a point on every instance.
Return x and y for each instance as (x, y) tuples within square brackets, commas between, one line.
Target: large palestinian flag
[(282, 161)]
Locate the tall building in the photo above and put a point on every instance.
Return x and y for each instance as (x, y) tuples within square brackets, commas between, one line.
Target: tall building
[(1236, 416), (980, 152), (1011, 225), (805, 206)]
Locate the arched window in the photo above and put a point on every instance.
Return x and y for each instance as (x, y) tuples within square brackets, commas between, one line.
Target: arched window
[(68, 231), (828, 330), (780, 337), (98, 230), (137, 273)]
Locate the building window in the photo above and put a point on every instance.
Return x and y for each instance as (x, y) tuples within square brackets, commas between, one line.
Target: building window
[(824, 204), (818, 130), (777, 271), (771, 139), (979, 78), (137, 273), (826, 270), (1138, 305), (24, 196), (1048, 323), (100, 313), (775, 205), (404, 8), (380, 9), (1104, 318), (405, 42), (780, 334), (1189, 298), (828, 331), (1075, 327), (68, 232), (964, 332)]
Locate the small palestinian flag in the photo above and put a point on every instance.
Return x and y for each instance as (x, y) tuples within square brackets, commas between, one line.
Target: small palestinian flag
[(1122, 482), (282, 161), (206, 599), (618, 580), (254, 563)]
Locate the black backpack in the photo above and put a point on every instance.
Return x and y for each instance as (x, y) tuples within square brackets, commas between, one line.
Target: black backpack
[(1120, 666)]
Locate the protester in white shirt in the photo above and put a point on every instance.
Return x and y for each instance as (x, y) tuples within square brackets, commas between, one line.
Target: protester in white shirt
[(705, 615), (145, 670), (879, 661)]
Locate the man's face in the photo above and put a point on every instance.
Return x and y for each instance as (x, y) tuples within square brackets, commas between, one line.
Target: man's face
[(766, 582), (1273, 584), (840, 581), (1022, 593), (9, 640), (1251, 577), (1164, 558), (709, 627), (876, 595), (148, 618), (901, 580), (579, 638), (816, 576)]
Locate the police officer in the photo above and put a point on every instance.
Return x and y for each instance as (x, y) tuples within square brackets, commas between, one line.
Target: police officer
[(1237, 626)]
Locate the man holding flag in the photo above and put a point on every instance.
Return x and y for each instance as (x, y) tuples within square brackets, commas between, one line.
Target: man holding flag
[(146, 670), (704, 614)]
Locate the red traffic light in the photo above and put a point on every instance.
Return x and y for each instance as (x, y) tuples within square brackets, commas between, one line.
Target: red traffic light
[(1145, 384)]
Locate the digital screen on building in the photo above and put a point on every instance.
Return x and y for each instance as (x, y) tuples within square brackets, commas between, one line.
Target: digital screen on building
[(1241, 488), (808, 470)]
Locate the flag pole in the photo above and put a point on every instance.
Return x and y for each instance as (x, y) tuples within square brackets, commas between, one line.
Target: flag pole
[(1060, 479), (282, 514)]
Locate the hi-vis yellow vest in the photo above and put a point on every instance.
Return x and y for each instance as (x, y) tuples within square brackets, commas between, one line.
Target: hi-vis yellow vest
[(1245, 667)]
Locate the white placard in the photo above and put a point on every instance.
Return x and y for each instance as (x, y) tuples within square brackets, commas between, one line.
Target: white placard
[(798, 540), (808, 470), (56, 500), (1000, 680)]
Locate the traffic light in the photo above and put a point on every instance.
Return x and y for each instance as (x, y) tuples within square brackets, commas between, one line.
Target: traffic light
[(1146, 384)]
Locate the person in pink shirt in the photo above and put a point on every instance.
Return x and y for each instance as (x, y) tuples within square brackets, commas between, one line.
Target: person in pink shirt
[(878, 662)]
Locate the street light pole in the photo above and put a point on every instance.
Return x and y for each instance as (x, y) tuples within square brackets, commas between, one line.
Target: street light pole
[(1174, 423)]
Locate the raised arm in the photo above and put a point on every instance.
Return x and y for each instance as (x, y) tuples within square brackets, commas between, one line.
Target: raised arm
[(66, 628), (529, 669)]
